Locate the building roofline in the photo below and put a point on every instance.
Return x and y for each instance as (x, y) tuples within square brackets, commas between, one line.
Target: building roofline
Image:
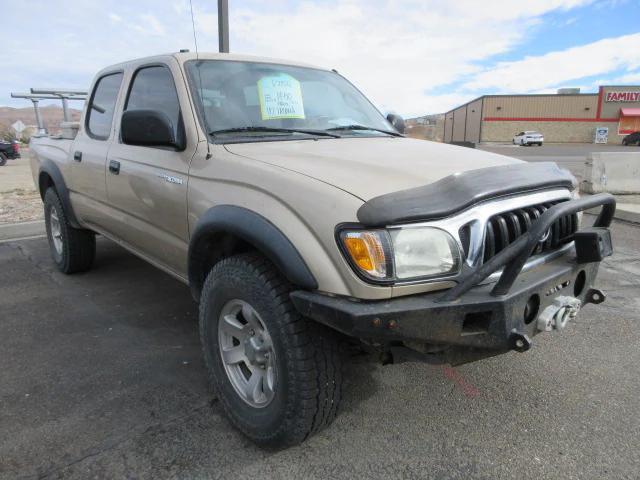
[(541, 95), (469, 102), (533, 95), (619, 86)]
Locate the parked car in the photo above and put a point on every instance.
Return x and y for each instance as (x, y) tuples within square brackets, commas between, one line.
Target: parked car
[(301, 220), (9, 151), (528, 138), (632, 139)]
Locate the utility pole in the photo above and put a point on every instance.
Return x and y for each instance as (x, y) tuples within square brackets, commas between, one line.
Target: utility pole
[(223, 26)]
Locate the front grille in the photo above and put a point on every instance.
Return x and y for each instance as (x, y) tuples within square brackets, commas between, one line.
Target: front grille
[(503, 229)]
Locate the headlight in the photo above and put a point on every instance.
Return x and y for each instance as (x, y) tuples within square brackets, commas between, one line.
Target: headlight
[(424, 252), (401, 254)]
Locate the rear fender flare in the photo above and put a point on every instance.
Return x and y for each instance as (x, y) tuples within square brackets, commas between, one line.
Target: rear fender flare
[(47, 167)]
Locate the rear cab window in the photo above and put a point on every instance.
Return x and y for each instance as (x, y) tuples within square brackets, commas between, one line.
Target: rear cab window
[(102, 105)]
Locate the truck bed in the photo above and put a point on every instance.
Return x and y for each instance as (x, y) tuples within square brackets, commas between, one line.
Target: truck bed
[(52, 148)]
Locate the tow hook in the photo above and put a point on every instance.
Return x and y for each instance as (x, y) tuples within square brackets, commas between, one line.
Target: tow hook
[(558, 313), (595, 296), (520, 342)]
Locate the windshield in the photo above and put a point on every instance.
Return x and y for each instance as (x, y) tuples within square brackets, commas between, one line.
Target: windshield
[(241, 100)]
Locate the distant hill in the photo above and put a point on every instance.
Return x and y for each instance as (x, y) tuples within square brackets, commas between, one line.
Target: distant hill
[(51, 116)]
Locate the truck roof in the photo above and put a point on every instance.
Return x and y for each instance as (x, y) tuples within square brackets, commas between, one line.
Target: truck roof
[(184, 56)]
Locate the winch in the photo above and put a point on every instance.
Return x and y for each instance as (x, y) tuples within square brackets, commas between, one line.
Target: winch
[(557, 314)]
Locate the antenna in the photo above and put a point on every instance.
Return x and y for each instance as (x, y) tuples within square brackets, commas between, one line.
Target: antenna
[(193, 25), (195, 41)]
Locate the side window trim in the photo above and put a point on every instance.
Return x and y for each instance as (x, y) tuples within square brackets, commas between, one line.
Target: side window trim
[(90, 103), (175, 88)]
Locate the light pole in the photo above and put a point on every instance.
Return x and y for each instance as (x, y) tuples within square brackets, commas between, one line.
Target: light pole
[(223, 26)]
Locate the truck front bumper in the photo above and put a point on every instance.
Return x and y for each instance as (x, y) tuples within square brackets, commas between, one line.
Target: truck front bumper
[(474, 319)]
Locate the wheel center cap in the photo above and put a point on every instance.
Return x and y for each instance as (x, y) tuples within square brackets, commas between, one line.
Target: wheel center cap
[(255, 350)]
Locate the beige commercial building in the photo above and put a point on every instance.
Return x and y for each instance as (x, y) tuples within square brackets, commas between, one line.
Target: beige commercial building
[(561, 117)]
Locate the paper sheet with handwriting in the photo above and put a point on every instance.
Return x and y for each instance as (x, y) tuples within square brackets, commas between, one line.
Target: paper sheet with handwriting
[(280, 97)]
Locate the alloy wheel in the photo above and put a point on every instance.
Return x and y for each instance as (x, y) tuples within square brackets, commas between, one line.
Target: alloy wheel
[(56, 230), (247, 353)]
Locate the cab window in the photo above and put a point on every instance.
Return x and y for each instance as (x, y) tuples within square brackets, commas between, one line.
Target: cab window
[(153, 88), (102, 106)]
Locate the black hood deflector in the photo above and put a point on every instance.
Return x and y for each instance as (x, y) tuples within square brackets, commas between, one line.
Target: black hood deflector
[(457, 192)]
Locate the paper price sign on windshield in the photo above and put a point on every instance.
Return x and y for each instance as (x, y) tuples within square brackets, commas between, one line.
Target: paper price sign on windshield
[(280, 97)]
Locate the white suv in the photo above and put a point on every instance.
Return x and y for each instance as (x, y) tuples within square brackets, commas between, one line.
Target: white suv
[(528, 138)]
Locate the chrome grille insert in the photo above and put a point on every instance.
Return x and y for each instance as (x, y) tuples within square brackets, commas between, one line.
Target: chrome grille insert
[(504, 228)]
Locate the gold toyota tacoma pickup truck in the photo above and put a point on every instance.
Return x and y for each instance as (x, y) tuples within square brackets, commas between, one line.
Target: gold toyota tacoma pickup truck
[(300, 217)]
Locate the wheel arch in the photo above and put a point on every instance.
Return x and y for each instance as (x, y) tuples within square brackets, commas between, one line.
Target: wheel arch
[(50, 176), (226, 230)]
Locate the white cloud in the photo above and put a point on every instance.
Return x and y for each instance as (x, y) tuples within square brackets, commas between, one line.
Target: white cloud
[(627, 79), (551, 69), (404, 54), (206, 23), (397, 51), (149, 24)]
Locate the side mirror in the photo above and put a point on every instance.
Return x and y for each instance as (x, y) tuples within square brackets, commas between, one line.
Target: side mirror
[(397, 121), (150, 128)]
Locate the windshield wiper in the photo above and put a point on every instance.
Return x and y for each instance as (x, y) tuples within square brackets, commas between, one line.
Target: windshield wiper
[(321, 133), (364, 127)]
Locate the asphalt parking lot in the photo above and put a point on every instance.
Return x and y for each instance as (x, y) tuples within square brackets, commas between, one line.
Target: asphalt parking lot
[(102, 377)]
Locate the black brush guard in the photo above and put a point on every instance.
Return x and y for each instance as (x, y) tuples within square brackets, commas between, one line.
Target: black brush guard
[(516, 255), (475, 320)]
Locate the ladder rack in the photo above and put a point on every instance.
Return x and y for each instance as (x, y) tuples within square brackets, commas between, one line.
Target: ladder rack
[(63, 94)]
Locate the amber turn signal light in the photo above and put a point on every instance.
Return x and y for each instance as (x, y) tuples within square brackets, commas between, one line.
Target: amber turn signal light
[(367, 251)]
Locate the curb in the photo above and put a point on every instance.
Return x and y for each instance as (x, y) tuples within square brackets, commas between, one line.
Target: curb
[(16, 231), (627, 215), (621, 214)]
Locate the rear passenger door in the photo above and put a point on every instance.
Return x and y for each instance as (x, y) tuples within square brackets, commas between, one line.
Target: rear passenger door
[(147, 186), (90, 148)]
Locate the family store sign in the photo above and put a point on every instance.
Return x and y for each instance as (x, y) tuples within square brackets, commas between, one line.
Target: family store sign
[(623, 97)]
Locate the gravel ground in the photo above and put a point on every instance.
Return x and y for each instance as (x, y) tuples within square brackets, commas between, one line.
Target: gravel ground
[(19, 200), (20, 205)]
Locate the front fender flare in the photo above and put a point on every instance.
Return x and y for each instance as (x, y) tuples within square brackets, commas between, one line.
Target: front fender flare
[(254, 229)]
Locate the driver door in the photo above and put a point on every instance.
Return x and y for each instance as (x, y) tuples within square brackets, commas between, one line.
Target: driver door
[(147, 186)]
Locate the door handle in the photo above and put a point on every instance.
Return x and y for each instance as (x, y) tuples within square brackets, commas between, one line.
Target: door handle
[(77, 156), (114, 167)]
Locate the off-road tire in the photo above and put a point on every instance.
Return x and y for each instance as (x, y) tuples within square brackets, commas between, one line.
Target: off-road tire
[(309, 385), (78, 245), (3, 159)]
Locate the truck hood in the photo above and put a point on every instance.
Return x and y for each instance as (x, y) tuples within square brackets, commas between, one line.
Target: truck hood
[(370, 167)]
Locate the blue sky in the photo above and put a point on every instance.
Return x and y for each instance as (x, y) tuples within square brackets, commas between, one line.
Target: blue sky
[(410, 56)]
